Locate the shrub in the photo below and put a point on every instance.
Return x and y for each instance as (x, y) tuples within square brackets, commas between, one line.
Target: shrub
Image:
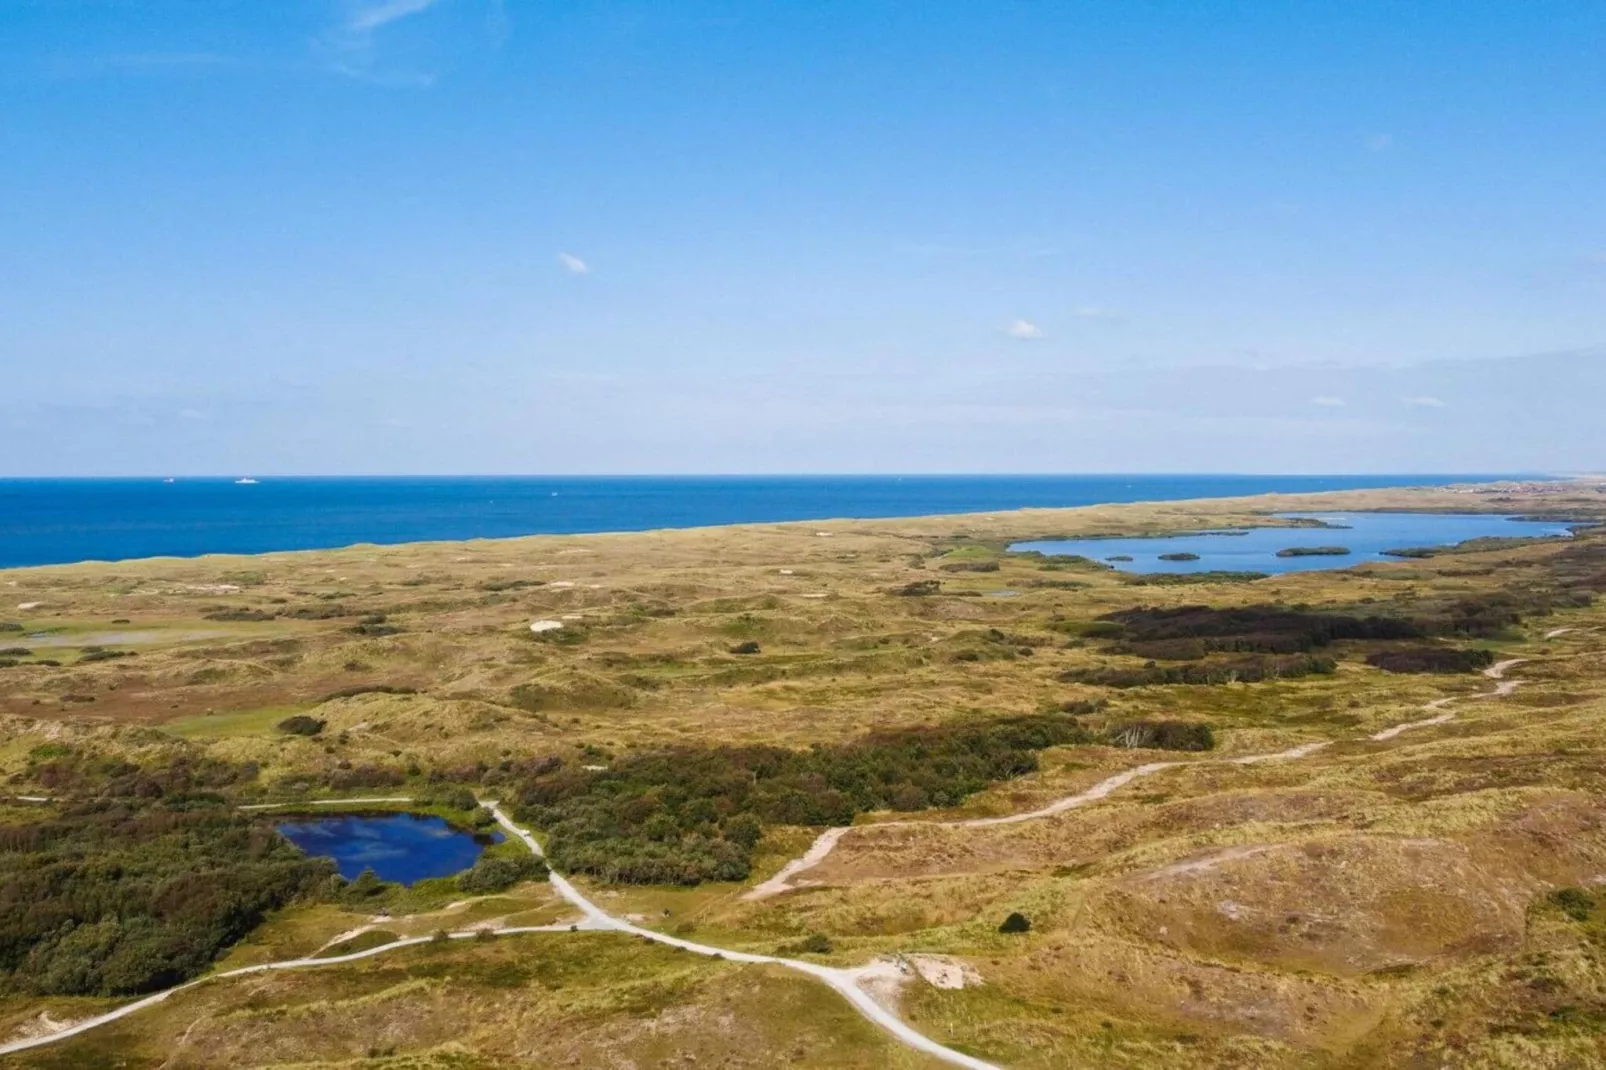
[(1162, 735), (1016, 923), (239, 615), (15, 652), (374, 625), (1434, 659), (812, 944), (688, 814), (919, 589), (126, 894), (1576, 903), (1236, 670), (495, 874), (300, 725), (749, 647)]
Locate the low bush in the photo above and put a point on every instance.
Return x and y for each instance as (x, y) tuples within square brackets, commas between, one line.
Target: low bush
[(1162, 735), (498, 873), (1016, 923), (1236, 670), (1430, 659), (300, 725), (688, 814), (122, 895), (749, 647)]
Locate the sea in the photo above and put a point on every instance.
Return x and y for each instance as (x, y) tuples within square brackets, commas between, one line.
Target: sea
[(55, 521)]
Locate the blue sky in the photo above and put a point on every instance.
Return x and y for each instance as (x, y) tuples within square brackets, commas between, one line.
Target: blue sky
[(349, 236)]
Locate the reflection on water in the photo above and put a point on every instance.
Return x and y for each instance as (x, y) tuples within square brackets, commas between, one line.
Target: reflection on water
[(1364, 535), (398, 847)]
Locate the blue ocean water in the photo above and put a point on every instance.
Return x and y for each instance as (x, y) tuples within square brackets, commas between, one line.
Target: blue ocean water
[(398, 847), (53, 521), (1365, 535)]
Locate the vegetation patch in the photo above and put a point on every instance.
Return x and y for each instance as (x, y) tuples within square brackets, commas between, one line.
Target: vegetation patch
[(1248, 670), (129, 893), (688, 814), (1314, 551), (1430, 659)]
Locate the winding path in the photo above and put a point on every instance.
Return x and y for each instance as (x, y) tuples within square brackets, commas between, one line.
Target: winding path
[(785, 880), (846, 982)]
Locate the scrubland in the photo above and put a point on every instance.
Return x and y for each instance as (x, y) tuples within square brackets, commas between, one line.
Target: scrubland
[(713, 698)]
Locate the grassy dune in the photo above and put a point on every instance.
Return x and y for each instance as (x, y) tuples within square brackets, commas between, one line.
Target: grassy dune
[(1376, 903)]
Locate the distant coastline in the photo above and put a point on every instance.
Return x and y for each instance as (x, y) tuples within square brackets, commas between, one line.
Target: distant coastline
[(61, 521)]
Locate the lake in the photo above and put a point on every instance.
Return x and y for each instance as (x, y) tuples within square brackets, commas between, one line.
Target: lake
[(54, 521), (1365, 535), (405, 848)]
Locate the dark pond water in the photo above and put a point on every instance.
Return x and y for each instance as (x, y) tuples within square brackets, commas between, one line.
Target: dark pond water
[(1365, 535), (405, 848)]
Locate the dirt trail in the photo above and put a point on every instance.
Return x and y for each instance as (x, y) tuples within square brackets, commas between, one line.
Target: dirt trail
[(785, 880), (852, 984)]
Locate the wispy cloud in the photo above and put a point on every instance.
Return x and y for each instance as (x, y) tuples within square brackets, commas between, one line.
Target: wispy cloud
[(1379, 142), (1425, 402), (367, 41), (368, 18), (1024, 330), (1328, 402), (1093, 312), (573, 264)]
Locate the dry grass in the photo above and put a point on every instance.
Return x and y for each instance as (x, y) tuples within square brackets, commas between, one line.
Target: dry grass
[(1371, 904)]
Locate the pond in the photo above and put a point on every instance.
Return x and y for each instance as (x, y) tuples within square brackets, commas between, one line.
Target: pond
[(405, 848), (1364, 537)]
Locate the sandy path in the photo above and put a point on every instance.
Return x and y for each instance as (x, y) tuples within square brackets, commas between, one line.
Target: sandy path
[(845, 982), (783, 881), (86, 1024)]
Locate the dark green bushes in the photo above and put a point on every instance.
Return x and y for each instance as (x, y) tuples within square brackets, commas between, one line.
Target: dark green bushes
[(749, 647), (1314, 551), (1433, 659), (1016, 923), (300, 725), (239, 615), (1191, 631), (689, 814), (1162, 735), (1248, 670), (1179, 555), (126, 895), (497, 873)]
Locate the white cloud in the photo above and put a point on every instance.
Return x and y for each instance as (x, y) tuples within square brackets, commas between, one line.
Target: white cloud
[(1024, 330), (1327, 402), (1425, 402), (1379, 142), (371, 17), (573, 264)]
